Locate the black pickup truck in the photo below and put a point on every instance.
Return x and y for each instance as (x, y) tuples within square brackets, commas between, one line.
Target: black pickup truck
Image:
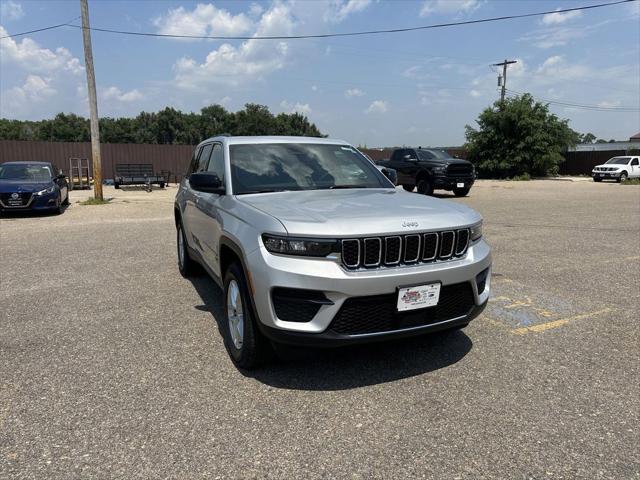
[(431, 169)]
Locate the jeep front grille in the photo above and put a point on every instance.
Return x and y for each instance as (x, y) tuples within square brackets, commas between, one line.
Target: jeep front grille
[(371, 252)]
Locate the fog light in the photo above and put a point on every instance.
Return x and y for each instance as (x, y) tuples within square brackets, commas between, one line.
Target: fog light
[(481, 280)]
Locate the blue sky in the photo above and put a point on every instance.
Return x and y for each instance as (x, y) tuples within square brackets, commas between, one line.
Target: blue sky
[(418, 88)]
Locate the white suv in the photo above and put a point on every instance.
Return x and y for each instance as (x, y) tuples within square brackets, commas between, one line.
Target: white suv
[(618, 169)]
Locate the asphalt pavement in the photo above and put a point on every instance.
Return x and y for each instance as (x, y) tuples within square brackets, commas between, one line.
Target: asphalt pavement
[(112, 365)]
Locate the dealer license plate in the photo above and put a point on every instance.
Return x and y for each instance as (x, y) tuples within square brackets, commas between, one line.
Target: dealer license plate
[(459, 185), (601, 174), (420, 296)]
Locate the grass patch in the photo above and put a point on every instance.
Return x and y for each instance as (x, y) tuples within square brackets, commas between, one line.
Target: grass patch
[(95, 201), (525, 177), (631, 181)]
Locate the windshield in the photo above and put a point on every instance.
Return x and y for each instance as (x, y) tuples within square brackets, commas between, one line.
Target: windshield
[(272, 167), (431, 154), (619, 160), (34, 173)]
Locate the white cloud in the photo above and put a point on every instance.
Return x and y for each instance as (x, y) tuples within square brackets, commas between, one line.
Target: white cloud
[(449, 6), (114, 93), (11, 11), (314, 88), (610, 103), (558, 18), (377, 106), (23, 100), (204, 19), (339, 10), (475, 93), (30, 56), (353, 92), (298, 107), (247, 62)]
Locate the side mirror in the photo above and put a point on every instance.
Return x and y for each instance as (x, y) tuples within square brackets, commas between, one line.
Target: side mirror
[(391, 174), (207, 182)]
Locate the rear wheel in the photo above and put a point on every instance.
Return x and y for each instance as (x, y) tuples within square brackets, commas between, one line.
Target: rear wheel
[(461, 192), (425, 187), (66, 199), (242, 338), (161, 184), (186, 265), (116, 185), (409, 188)]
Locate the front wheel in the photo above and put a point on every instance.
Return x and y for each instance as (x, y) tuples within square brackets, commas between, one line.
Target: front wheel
[(242, 339), (623, 177), (425, 187), (596, 179), (461, 192)]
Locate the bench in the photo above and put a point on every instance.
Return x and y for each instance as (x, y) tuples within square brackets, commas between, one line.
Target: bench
[(137, 174)]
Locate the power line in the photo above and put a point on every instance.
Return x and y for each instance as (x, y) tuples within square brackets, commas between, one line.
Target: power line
[(343, 34), (65, 24), (579, 105)]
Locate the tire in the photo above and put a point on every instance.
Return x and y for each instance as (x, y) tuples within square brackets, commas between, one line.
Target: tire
[(66, 199), (425, 187), (597, 179), (461, 192), (623, 177), (245, 344), (161, 184), (186, 265), (116, 185), (409, 188)]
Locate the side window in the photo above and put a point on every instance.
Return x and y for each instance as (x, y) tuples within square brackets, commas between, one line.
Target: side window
[(411, 153), (193, 165), (216, 163), (634, 161), (203, 160)]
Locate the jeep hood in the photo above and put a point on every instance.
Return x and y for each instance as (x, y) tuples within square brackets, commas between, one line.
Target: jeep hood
[(360, 212)]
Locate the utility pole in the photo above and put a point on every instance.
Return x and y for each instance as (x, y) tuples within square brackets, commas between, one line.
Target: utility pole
[(504, 76), (93, 102)]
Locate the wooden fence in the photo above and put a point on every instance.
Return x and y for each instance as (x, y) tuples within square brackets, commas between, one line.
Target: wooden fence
[(169, 158), (175, 158)]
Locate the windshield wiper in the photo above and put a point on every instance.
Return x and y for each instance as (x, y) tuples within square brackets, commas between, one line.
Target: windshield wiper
[(265, 190), (335, 187)]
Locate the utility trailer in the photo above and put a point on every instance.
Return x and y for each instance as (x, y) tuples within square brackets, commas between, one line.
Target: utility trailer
[(137, 174)]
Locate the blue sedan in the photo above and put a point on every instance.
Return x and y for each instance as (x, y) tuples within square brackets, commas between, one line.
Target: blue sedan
[(32, 186)]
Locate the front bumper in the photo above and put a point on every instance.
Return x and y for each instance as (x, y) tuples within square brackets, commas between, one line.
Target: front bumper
[(268, 271), (449, 183), (596, 174), (34, 202)]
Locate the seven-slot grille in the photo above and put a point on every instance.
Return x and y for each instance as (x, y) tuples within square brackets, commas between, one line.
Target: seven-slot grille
[(371, 252)]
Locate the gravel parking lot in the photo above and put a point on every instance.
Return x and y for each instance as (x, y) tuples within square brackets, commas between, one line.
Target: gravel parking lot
[(111, 364)]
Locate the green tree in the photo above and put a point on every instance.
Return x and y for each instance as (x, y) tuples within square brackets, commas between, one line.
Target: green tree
[(168, 126), (519, 137), (588, 138)]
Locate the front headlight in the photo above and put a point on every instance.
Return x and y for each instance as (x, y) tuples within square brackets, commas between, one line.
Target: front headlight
[(439, 169), (475, 232), (50, 189), (308, 247)]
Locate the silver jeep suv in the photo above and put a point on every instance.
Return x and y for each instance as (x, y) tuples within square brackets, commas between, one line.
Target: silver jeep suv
[(313, 245)]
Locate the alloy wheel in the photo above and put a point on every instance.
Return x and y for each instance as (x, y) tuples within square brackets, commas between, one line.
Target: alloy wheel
[(235, 314)]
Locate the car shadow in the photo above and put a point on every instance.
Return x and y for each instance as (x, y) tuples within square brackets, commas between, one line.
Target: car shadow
[(15, 214), (298, 368)]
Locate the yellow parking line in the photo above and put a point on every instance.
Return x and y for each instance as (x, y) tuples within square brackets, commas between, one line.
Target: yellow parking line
[(556, 323), (632, 258)]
